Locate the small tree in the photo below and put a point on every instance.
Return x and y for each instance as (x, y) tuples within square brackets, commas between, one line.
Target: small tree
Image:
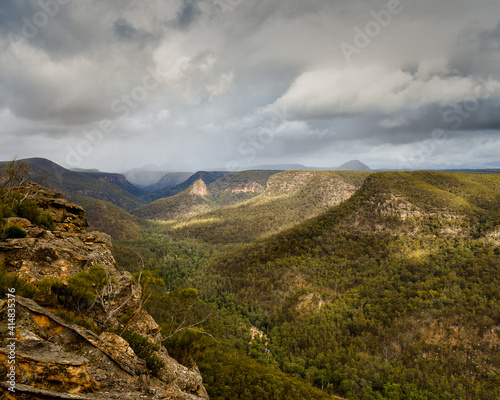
[(144, 349), (78, 294), (107, 295), (13, 176), (150, 284)]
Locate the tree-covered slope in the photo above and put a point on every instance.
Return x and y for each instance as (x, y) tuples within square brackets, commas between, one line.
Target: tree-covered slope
[(206, 194), (395, 293), (63, 180), (189, 202), (206, 177), (119, 180), (290, 198), (105, 217)]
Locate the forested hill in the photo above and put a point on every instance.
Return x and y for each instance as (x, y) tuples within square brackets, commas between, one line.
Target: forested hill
[(392, 294), (119, 180), (206, 177), (204, 194), (318, 284), (95, 185), (289, 198)]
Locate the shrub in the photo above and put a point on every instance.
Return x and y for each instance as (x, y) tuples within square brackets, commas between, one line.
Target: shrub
[(45, 295), (6, 211), (14, 232), (46, 221), (81, 293), (27, 209), (71, 318), (22, 286), (78, 294), (144, 349)]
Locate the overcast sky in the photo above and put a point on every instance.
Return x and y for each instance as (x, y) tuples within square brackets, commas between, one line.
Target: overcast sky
[(205, 84)]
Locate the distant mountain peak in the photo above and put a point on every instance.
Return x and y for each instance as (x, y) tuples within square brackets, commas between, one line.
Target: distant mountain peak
[(353, 165)]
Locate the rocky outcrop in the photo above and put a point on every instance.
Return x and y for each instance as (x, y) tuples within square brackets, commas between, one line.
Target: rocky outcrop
[(57, 360), (57, 254), (494, 237), (287, 182), (199, 188), (397, 206), (62, 358), (251, 187), (67, 216), (329, 190)]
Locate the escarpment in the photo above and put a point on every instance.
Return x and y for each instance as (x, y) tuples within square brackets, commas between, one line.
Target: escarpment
[(56, 359)]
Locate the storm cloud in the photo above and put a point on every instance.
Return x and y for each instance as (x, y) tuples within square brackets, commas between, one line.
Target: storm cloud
[(204, 84)]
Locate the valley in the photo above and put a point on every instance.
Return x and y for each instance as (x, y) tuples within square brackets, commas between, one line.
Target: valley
[(365, 285)]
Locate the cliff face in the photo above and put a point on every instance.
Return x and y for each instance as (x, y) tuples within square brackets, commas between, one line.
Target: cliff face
[(199, 188), (329, 190), (57, 360), (251, 187)]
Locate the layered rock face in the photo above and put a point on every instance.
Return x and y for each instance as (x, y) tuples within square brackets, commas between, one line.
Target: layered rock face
[(56, 360), (252, 187)]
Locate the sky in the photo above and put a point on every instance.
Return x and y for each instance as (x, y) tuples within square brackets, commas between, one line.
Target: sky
[(230, 84)]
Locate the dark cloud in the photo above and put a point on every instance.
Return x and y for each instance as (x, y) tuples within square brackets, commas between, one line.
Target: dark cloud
[(188, 13), (124, 29), (211, 78), (490, 40), (12, 13)]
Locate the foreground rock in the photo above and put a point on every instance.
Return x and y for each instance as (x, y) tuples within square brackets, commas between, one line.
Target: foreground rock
[(53, 358), (57, 360)]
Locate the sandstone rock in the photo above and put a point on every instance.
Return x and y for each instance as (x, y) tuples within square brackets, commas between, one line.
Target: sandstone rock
[(199, 188), (32, 393), (145, 324), (61, 361), (52, 370), (252, 187), (54, 358), (55, 256), (21, 222), (120, 344), (67, 216), (181, 379)]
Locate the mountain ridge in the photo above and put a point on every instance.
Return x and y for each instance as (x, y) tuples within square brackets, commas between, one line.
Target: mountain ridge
[(352, 165), (61, 179), (207, 177), (404, 254), (289, 197)]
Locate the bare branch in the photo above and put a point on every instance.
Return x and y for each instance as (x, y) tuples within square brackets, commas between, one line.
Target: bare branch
[(110, 313), (183, 327)]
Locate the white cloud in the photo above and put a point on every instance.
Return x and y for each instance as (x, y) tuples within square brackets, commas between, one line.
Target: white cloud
[(190, 78), (328, 93), (163, 114)]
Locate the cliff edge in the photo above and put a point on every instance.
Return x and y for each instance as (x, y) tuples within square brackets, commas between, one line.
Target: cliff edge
[(55, 359)]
